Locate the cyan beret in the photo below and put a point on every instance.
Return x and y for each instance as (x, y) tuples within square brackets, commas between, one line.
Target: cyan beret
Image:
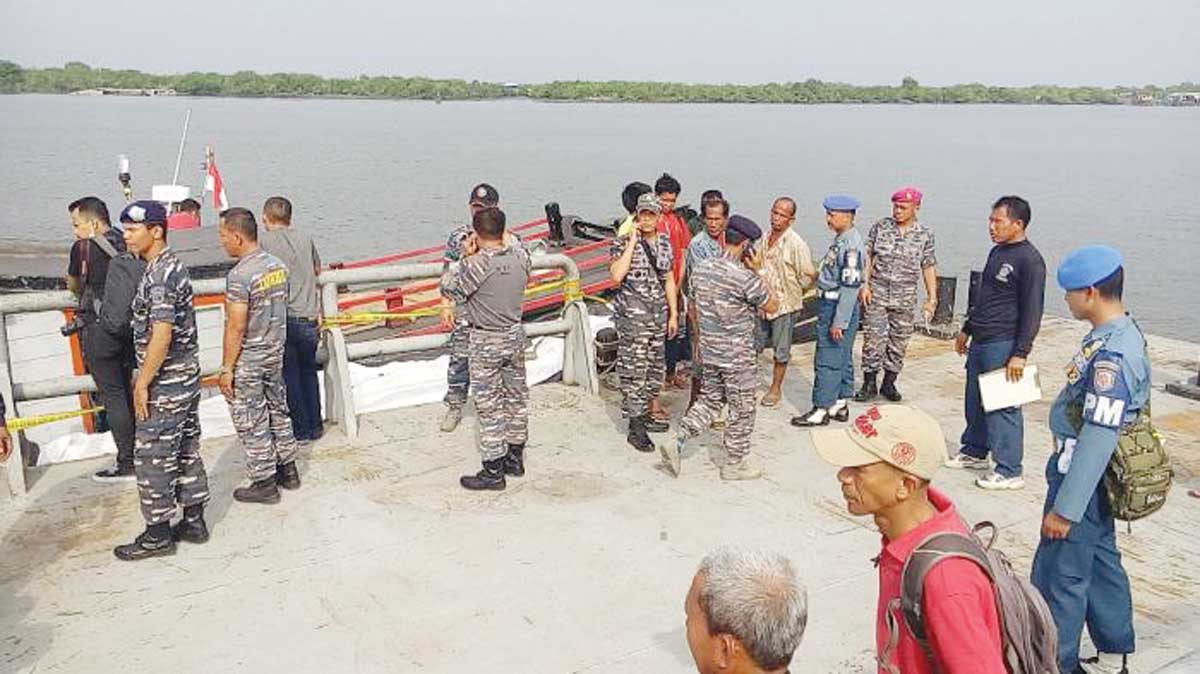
[(841, 202), (1085, 267)]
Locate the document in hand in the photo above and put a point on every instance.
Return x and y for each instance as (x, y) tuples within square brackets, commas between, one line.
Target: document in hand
[(997, 392)]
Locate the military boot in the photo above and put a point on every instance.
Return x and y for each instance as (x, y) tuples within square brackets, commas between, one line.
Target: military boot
[(637, 435), (868, 391), (287, 475), (262, 491), (491, 477), (452, 418), (888, 390), (155, 541), (190, 530), (514, 461)]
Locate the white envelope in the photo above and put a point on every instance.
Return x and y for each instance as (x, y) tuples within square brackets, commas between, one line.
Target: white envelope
[(997, 392)]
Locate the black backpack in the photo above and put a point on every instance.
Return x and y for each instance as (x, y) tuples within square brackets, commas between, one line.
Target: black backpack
[(120, 285)]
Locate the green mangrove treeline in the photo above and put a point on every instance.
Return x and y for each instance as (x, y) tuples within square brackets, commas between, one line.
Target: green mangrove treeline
[(77, 76)]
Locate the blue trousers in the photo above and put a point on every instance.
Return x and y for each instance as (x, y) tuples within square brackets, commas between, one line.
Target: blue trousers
[(834, 362), (1083, 581), (300, 378), (1001, 431)]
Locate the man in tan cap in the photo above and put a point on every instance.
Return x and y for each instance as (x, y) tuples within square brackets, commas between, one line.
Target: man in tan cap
[(887, 457)]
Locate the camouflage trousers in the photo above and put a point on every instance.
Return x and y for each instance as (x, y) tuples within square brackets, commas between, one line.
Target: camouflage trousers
[(166, 456), (735, 384), (641, 363), (887, 330), (497, 361), (260, 416), (458, 377)]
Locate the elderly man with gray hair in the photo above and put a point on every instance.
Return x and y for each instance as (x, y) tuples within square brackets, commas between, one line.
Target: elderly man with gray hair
[(746, 613)]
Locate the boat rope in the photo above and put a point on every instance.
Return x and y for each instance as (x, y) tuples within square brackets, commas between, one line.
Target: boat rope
[(21, 423)]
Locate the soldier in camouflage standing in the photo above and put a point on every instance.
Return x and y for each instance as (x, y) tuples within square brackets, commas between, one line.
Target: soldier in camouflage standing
[(458, 378), (489, 284), (256, 293), (899, 253), (728, 292), (645, 314), (166, 395)]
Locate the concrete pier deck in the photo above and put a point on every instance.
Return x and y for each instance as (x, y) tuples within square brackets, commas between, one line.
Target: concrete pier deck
[(381, 563)]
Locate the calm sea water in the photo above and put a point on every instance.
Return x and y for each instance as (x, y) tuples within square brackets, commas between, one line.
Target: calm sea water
[(373, 177)]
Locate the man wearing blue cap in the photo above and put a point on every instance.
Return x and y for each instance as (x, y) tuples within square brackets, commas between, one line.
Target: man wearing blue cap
[(166, 394), (1002, 322), (728, 291), (1077, 566), (838, 280)]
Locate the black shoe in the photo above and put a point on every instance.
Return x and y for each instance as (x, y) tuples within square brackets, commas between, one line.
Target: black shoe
[(145, 546), (491, 477), (287, 475), (817, 416), (868, 391), (888, 389), (637, 435), (115, 473), (655, 425), (514, 461), (842, 413), (263, 491), (194, 531)]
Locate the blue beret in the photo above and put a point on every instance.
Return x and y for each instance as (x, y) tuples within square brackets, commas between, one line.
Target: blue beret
[(744, 226), (1087, 266), (144, 212), (841, 202)]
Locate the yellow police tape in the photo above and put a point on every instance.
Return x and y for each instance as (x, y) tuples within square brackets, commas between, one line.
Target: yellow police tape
[(571, 293), (21, 423)]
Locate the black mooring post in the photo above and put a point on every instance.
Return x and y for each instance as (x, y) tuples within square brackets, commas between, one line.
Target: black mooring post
[(555, 220), (947, 291)]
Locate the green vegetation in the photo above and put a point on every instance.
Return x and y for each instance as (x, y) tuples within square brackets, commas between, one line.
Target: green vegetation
[(77, 76)]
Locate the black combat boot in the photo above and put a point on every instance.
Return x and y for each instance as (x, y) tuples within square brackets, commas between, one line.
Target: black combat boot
[(514, 461), (192, 528), (155, 541), (888, 390), (490, 478), (287, 475), (868, 391), (262, 491), (637, 435)]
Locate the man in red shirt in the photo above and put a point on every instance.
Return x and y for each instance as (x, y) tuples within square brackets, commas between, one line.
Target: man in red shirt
[(887, 458), (667, 189)]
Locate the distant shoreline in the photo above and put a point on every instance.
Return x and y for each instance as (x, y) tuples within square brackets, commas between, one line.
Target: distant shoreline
[(76, 78)]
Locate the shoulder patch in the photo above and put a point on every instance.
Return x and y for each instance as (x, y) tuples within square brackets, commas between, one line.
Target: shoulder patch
[(158, 294)]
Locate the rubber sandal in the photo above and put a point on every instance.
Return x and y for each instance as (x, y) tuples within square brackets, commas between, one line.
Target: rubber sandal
[(769, 401)]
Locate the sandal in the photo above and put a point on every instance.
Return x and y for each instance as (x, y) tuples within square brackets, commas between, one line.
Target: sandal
[(770, 400), (660, 415), (1194, 493)]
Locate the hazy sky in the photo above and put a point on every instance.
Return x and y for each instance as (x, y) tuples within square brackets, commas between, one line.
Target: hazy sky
[(1102, 42)]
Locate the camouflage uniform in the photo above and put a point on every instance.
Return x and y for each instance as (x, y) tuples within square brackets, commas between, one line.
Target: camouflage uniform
[(897, 261), (640, 316), (166, 454), (728, 297), (489, 288), (259, 406)]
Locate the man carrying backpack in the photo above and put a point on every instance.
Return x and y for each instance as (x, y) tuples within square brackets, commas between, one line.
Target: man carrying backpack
[(1077, 566), (109, 356), (887, 457)]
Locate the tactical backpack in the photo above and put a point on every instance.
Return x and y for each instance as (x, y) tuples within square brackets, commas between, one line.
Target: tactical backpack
[(120, 285), (1138, 477), (1028, 635)]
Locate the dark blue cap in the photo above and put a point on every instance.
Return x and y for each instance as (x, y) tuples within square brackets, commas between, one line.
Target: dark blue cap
[(144, 212), (841, 202), (1087, 266), (744, 226)]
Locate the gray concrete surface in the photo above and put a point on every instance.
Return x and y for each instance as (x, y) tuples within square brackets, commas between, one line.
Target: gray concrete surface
[(381, 563)]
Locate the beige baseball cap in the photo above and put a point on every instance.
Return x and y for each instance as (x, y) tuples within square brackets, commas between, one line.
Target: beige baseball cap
[(901, 435)]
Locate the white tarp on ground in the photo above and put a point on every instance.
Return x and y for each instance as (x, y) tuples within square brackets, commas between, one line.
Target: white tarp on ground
[(389, 386)]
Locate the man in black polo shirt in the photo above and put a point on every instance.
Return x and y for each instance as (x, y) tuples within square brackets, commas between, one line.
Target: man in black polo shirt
[(108, 358), (998, 333)]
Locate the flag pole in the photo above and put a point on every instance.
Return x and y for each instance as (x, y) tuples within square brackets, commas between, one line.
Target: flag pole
[(182, 141)]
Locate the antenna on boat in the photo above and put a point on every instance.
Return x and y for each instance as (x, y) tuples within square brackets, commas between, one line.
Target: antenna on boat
[(182, 141)]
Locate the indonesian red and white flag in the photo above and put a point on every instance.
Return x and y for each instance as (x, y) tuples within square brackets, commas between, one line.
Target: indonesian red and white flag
[(212, 183)]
